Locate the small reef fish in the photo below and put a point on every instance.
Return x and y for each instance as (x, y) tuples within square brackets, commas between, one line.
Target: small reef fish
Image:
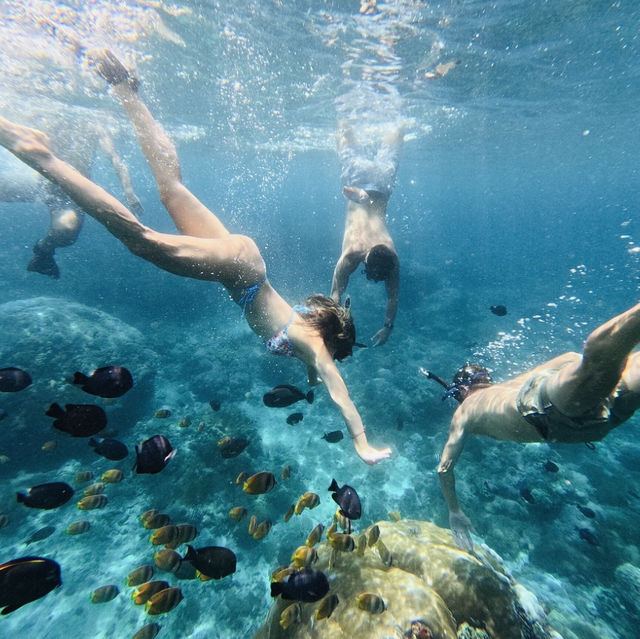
[(342, 542), (237, 513), (527, 495), (78, 420), (586, 511), (285, 395), (13, 380), (172, 536), (342, 521), (78, 527), (153, 454), (215, 562), (184, 422), (282, 572), (83, 476), (551, 467), (589, 536), (315, 535), (167, 560), (369, 602), (499, 309), (112, 476), (262, 529), (333, 437), (215, 404), (140, 575), (304, 556), (253, 524), (291, 615), (326, 607), (26, 579), (49, 446), (289, 513), (259, 483), (294, 418), (308, 500), (156, 520), (110, 448), (232, 446), (385, 555), (361, 544), (286, 472), (373, 535), (150, 631), (305, 585), (94, 489), (145, 591), (104, 594), (40, 534), (46, 496), (395, 515), (108, 381), (92, 502), (241, 477), (4, 520), (348, 500), (164, 601), (162, 413), (441, 69)]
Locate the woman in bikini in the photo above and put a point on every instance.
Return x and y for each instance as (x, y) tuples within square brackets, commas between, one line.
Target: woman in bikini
[(316, 332)]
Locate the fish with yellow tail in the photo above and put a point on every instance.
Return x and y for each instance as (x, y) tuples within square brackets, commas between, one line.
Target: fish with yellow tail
[(145, 591), (163, 601), (92, 502), (315, 535), (308, 500), (342, 542), (262, 529), (385, 555), (167, 560), (370, 602), (282, 572), (140, 575), (150, 631), (237, 513), (287, 516), (291, 615), (253, 524), (259, 484), (104, 594), (304, 556), (326, 607)]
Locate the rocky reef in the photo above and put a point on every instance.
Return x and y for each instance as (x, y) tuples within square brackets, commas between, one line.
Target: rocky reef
[(431, 590)]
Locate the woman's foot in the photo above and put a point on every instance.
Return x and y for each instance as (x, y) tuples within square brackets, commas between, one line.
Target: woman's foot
[(112, 70)]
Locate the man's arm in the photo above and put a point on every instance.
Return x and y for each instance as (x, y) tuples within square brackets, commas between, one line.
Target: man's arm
[(392, 285), (459, 522), (346, 265), (133, 202)]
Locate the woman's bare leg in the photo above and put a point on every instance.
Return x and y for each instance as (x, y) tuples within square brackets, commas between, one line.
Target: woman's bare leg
[(190, 216), (581, 386)]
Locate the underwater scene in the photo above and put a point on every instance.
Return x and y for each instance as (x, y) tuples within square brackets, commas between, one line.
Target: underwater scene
[(239, 274)]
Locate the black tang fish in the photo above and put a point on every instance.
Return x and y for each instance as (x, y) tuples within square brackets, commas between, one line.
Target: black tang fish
[(13, 379), (215, 404), (589, 536), (586, 511), (294, 418), (46, 496), (153, 454), (551, 467), (213, 561), (40, 534), (348, 500), (109, 448), (79, 420), (108, 381), (285, 395), (499, 309), (232, 446), (26, 579), (333, 437), (304, 585)]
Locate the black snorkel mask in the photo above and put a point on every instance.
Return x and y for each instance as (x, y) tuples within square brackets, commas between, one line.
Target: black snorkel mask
[(470, 376)]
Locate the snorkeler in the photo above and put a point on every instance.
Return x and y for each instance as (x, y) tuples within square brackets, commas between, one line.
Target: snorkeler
[(367, 180), (316, 332), (76, 143), (572, 398)]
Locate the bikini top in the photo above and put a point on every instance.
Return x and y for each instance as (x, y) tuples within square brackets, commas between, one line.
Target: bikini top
[(280, 343)]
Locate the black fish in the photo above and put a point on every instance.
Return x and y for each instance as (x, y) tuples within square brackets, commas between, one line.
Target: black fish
[(108, 381), (551, 467), (294, 418), (586, 511), (285, 395), (13, 379), (79, 420), (527, 495), (215, 404), (333, 437), (153, 454), (348, 500), (40, 534), (589, 536), (500, 310), (233, 447), (46, 496), (109, 448), (304, 585), (213, 561), (26, 579)]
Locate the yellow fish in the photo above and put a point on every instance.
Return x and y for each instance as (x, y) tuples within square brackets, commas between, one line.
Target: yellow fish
[(94, 489), (342, 542), (259, 483), (83, 476), (112, 476), (384, 553), (262, 529), (237, 513), (315, 535), (369, 602), (361, 544), (282, 573), (145, 591), (326, 606), (149, 631), (289, 513), (290, 615), (140, 575), (253, 524), (164, 601), (395, 515), (167, 560), (308, 500), (241, 477), (156, 521), (304, 556), (286, 472), (78, 527), (373, 535), (92, 502), (104, 594)]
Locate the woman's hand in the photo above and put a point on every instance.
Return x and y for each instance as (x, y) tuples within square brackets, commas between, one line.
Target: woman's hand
[(381, 336), (368, 453)]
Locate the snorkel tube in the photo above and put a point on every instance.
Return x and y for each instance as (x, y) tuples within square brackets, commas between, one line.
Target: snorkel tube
[(452, 389)]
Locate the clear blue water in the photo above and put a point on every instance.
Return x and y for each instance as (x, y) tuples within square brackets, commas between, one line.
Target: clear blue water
[(518, 184)]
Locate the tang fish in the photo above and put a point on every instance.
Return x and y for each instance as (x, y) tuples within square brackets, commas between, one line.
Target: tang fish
[(26, 579), (551, 467), (586, 511), (326, 607), (333, 437), (290, 615), (499, 309), (373, 535), (78, 527), (369, 602), (395, 515), (289, 513), (215, 404), (241, 477), (342, 542), (108, 381), (150, 631), (145, 591), (83, 476), (348, 500), (13, 380), (286, 472), (589, 536), (305, 585), (262, 529), (385, 555), (253, 524), (259, 483), (46, 496), (79, 420), (308, 500), (109, 448), (40, 534), (140, 575), (164, 601), (315, 535), (285, 395), (112, 476), (153, 454), (172, 536), (527, 495), (104, 594), (94, 489), (167, 560), (294, 418), (304, 556), (232, 446), (156, 520), (92, 502), (213, 561), (162, 413), (237, 513)]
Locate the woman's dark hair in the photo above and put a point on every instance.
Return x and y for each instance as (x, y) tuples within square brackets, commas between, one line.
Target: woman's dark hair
[(379, 262), (333, 322)]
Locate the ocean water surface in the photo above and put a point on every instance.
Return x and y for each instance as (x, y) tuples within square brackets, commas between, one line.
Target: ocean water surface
[(517, 184)]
